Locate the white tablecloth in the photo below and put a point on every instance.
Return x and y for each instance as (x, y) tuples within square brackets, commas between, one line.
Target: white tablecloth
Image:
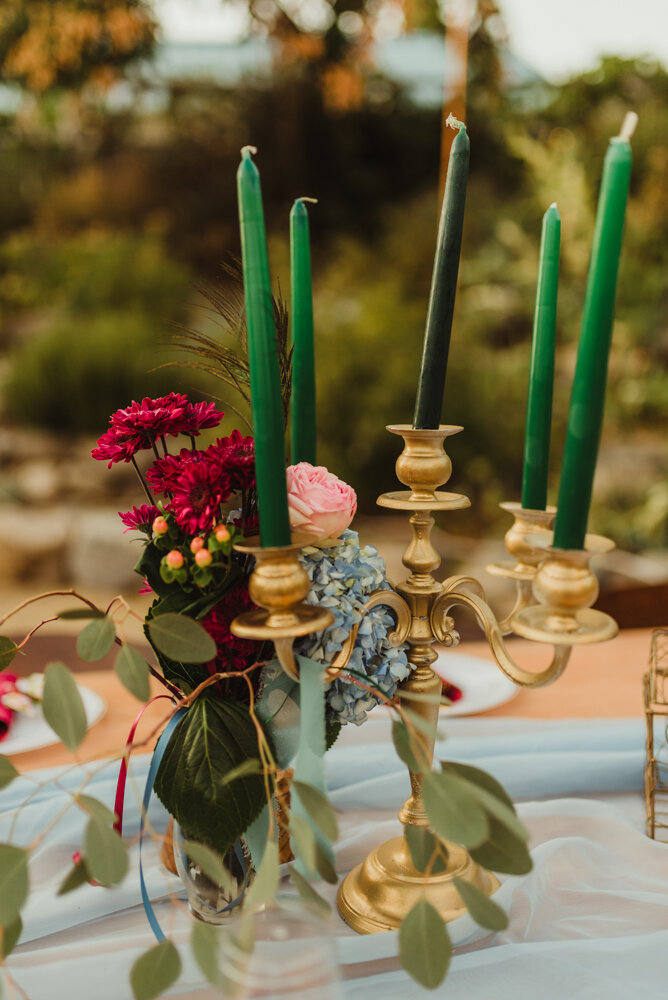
[(589, 922)]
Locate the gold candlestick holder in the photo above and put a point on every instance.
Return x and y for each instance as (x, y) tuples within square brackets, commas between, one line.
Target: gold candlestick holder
[(278, 585), (379, 892)]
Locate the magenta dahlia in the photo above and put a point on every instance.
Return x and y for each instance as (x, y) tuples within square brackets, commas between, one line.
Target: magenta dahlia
[(233, 653), (200, 416), (139, 518), (236, 454), (164, 472)]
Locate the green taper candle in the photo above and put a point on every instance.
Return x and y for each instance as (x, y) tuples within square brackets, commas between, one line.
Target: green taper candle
[(429, 401), (588, 394), (302, 409), (266, 406), (541, 374)]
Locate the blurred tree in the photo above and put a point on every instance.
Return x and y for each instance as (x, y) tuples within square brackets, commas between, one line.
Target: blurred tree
[(46, 44)]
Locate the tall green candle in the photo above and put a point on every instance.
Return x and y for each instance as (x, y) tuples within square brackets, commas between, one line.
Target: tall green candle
[(588, 394), (266, 406), (429, 401), (302, 411), (541, 374)]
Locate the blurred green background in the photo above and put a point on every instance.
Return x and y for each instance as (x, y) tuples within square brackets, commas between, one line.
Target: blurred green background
[(118, 156)]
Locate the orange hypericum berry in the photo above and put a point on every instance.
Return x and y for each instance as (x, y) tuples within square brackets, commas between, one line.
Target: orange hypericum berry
[(203, 557), (221, 533), (174, 559), (160, 526), (197, 544)]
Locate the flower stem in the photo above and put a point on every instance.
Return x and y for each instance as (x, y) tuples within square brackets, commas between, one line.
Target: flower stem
[(149, 496)]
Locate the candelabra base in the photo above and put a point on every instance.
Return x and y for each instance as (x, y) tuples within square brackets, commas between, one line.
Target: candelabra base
[(377, 894)]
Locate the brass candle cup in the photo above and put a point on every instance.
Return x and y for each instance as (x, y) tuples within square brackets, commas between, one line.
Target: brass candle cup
[(423, 465), (278, 585), (520, 541), (565, 588)]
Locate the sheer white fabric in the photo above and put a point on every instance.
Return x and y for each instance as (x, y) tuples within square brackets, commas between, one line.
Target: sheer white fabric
[(589, 922)]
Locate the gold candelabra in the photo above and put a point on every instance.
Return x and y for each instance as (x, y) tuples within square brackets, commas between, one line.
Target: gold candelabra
[(554, 592)]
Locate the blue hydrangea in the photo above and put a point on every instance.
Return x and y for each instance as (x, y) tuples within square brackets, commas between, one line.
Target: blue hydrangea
[(342, 578)]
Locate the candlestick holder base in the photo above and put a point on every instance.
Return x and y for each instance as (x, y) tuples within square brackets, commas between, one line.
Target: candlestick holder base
[(279, 584)]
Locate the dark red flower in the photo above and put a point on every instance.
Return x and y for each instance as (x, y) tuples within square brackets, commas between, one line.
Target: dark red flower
[(451, 691), (197, 495), (164, 472), (117, 446), (200, 416), (236, 453), (233, 653), (139, 518)]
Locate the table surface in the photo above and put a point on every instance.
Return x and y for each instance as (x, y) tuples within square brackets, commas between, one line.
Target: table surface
[(601, 681)]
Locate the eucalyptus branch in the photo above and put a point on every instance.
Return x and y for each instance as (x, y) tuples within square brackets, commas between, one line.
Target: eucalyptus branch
[(49, 593)]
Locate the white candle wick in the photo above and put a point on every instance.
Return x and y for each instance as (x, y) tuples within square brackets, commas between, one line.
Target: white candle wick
[(314, 201), (252, 150), (453, 122), (628, 126)]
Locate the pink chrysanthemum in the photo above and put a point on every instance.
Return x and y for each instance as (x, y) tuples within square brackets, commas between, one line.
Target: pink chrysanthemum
[(233, 653), (116, 446), (200, 416), (139, 518), (164, 473), (236, 453), (197, 496)]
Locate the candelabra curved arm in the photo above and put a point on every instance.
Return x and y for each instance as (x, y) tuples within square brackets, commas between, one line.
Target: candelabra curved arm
[(441, 626), (523, 594)]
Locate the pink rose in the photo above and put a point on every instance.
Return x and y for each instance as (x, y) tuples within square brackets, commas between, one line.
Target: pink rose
[(319, 504)]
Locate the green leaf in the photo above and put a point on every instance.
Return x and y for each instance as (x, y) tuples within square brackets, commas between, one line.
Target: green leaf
[(324, 866), (212, 739), (133, 673), (155, 971), (453, 812), (72, 614), (427, 852), (13, 882), (9, 937), (210, 864), (499, 811), (252, 766), (106, 855), (96, 639), (62, 705), (502, 851), (78, 875), (319, 808), (7, 772), (303, 842), (408, 748), (204, 946), (478, 777), (8, 650), (424, 945), (181, 638), (483, 910), (309, 896), (265, 884), (96, 808)]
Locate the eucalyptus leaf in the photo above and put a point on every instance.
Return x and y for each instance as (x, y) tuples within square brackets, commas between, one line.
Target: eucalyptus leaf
[(133, 673), (96, 639), (424, 945), (8, 650), (415, 721), (265, 885), (155, 971), (303, 842), (204, 946), (77, 876), (502, 851), (13, 882), (106, 855), (500, 811), (478, 777), (213, 737), (181, 638), (62, 705), (324, 866), (309, 896), (318, 807), (9, 937), (427, 852), (408, 748), (210, 864), (7, 772), (96, 808), (453, 812), (72, 614), (251, 766), (483, 910)]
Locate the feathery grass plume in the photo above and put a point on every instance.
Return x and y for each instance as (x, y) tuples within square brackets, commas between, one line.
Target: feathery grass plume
[(228, 363)]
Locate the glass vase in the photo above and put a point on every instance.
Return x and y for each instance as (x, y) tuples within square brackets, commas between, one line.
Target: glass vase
[(209, 901)]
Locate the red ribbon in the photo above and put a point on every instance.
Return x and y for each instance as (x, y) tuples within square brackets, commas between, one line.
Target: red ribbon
[(123, 772)]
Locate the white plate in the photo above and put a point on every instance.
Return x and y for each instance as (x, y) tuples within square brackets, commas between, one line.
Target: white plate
[(32, 732), (483, 685)]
